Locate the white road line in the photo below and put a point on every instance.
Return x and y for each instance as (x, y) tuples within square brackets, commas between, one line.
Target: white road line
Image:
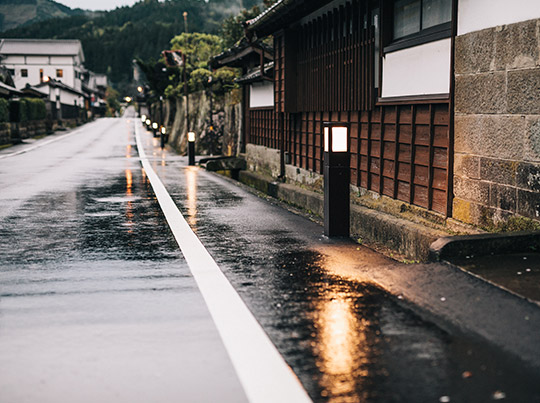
[(264, 374), (41, 144)]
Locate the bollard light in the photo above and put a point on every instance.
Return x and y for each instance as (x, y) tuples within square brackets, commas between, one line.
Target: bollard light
[(154, 126), (148, 122), (143, 118), (163, 136), (191, 148), (336, 179)]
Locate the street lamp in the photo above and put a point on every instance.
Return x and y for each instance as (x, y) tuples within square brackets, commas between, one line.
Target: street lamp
[(155, 128), (336, 179), (191, 148), (143, 118)]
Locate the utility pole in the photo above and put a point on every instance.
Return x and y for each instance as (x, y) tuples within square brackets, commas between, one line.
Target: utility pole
[(185, 22)]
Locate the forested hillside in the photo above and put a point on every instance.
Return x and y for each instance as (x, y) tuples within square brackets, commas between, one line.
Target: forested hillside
[(111, 41), (14, 13)]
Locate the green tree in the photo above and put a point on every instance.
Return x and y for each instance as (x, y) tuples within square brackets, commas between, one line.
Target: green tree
[(232, 29), (113, 101)]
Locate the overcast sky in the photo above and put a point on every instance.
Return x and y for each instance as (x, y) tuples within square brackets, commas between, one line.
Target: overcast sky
[(97, 4)]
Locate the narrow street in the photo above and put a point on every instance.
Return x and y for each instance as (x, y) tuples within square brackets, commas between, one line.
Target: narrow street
[(98, 302)]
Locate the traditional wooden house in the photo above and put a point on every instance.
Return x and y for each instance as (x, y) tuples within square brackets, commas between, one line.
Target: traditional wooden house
[(253, 57), (430, 91)]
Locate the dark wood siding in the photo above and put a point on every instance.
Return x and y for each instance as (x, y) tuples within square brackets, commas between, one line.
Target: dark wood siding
[(263, 127), (400, 151), (334, 62), (324, 70)]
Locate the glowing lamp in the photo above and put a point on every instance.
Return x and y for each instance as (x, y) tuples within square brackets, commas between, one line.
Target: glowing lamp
[(336, 136), (143, 118), (148, 122), (191, 137), (154, 126), (163, 130)]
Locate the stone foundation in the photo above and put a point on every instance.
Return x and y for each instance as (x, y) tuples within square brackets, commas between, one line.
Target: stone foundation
[(497, 127)]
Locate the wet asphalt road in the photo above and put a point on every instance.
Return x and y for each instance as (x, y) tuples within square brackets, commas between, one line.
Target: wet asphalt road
[(97, 304)]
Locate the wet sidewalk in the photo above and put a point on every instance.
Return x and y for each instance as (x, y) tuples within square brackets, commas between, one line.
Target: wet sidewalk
[(355, 325)]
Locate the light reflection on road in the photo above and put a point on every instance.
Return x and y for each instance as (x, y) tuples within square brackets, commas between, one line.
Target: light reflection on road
[(191, 191), (341, 347)]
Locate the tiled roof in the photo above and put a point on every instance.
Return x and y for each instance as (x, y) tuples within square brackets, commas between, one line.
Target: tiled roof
[(45, 47), (255, 74)]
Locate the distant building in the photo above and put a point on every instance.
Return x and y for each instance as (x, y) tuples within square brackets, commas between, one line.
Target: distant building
[(55, 68), (30, 61)]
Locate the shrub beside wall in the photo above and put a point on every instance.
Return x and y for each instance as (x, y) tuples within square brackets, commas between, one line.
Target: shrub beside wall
[(4, 110), (27, 109)]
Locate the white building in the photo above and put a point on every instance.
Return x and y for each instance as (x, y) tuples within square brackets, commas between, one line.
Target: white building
[(30, 61)]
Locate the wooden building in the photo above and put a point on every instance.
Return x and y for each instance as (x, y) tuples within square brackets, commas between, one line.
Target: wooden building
[(387, 69)]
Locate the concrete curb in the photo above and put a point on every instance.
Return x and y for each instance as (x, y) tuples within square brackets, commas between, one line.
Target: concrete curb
[(403, 236), (448, 248)]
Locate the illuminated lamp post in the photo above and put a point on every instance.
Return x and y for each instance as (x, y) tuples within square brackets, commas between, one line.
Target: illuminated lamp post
[(336, 180), (163, 136), (155, 128), (191, 148)]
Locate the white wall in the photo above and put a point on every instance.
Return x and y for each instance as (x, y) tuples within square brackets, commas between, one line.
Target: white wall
[(261, 94), (474, 15), (420, 70), (69, 98), (34, 63)]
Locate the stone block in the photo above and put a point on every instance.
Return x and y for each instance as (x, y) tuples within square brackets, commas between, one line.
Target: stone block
[(474, 213), (528, 176), (497, 136), (475, 52), (532, 139), (467, 166), (499, 171), (481, 93), (503, 197), (523, 94), (517, 46), (461, 210), (472, 190), (226, 164), (529, 204)]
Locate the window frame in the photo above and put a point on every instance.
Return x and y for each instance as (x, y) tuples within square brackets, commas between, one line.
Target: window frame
[(431, 34), (24, 73), (59, 73)]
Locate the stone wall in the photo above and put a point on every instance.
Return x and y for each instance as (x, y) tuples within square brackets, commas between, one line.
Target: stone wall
[(226, 120), (12, 133), (497, 126), (5, 134)]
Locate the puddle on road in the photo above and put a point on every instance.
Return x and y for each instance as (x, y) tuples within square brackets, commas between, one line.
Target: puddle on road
[(518, 272), (111, 219)]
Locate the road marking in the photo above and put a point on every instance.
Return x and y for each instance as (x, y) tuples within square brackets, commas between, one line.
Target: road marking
[(264, 374), (41, 144)]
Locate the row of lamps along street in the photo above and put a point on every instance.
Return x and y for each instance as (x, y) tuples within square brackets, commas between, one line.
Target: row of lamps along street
[(336, 172), (161, 132)]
